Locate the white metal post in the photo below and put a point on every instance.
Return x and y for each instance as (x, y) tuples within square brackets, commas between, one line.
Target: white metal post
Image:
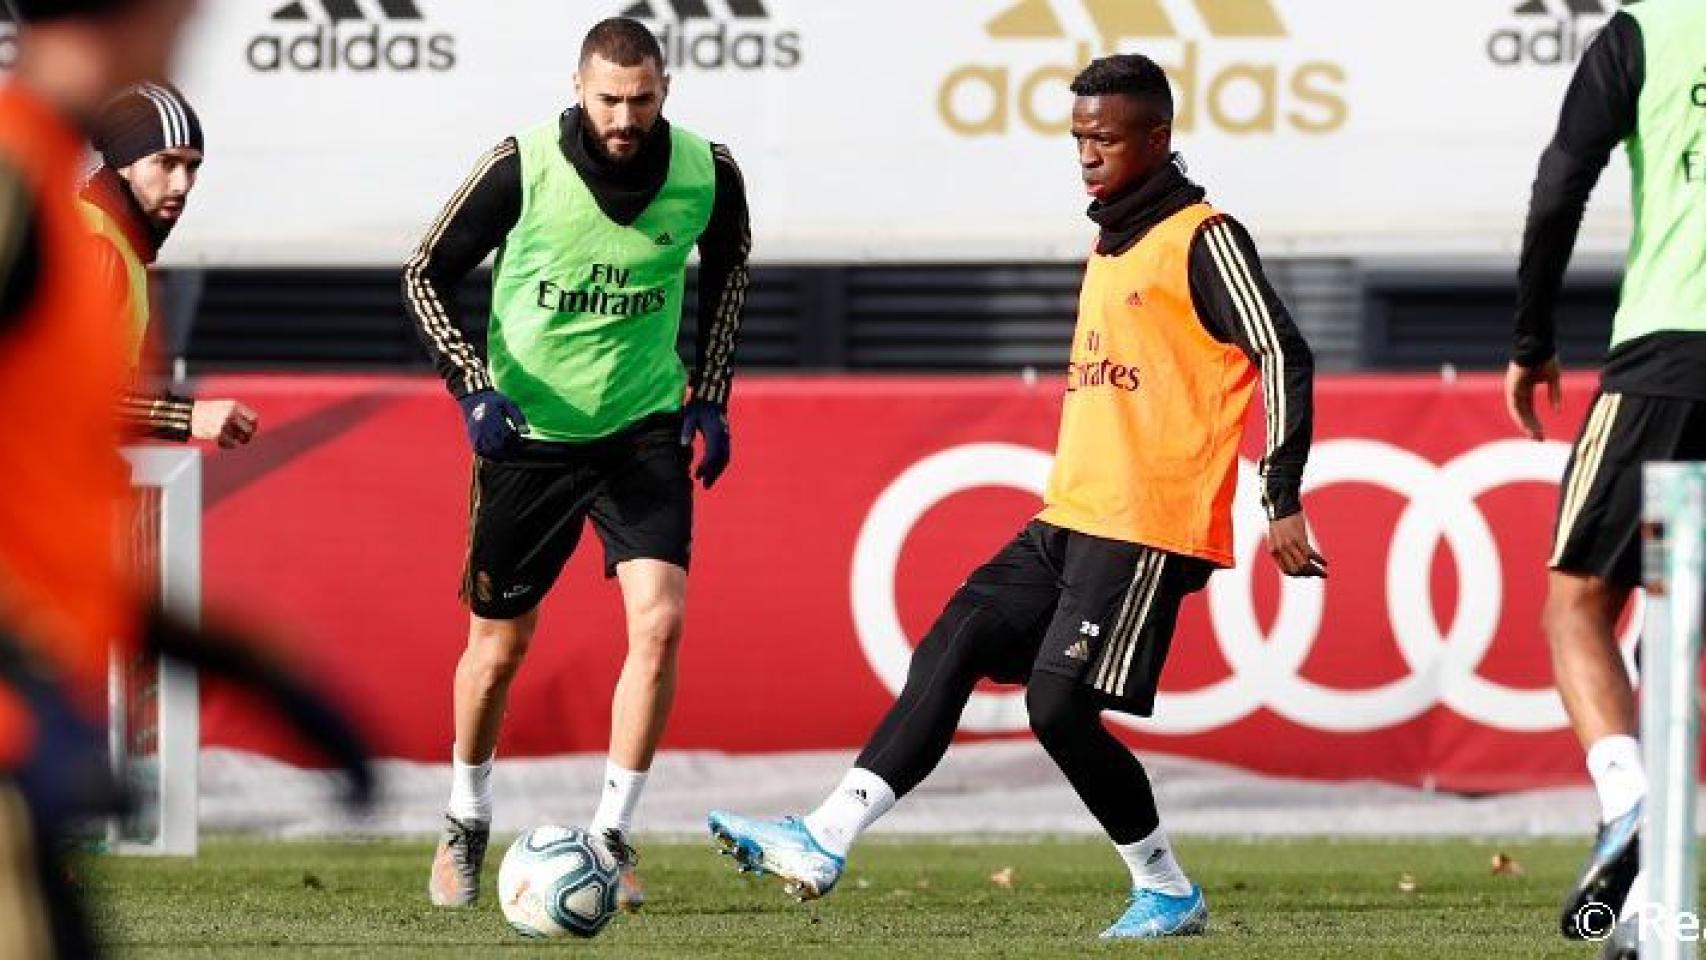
[(1674, 517), (176, 471)]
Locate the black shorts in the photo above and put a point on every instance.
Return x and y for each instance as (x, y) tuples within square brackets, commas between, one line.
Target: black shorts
[(1599, 504), (1097, 611), (527, 511)]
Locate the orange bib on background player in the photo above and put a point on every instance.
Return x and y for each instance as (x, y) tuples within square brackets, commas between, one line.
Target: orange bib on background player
[(1154, 408), (62, 369)]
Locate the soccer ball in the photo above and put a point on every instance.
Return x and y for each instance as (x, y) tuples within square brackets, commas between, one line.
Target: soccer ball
[(557, 882)]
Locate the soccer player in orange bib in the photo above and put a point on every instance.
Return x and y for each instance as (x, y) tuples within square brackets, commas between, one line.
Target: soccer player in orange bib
[(63, 601), (1177, 327), (67, 355)]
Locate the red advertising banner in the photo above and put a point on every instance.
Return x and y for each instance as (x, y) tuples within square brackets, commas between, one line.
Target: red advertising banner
[(853, 508)]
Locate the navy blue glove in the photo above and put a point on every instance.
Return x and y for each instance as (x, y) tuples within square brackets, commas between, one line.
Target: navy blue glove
[(494, 423), (711, 421)]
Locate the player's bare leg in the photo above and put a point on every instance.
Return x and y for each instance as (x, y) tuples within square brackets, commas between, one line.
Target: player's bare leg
[(483, 676), (1581, 624), (654, 596)]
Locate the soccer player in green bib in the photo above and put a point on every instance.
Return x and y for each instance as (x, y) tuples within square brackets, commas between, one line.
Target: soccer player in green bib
[(580, 407), (1641, 83)]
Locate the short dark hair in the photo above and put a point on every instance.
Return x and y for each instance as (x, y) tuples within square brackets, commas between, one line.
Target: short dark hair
[(1130, 75), (623, 41)]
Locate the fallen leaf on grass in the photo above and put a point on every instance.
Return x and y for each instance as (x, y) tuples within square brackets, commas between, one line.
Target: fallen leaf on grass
[(1505, 866)]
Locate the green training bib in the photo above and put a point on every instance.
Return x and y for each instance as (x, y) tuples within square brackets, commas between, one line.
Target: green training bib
[(585, 311), (1664, 287)]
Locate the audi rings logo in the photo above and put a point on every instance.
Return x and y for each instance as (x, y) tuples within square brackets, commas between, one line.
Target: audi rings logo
[(1266, 666)]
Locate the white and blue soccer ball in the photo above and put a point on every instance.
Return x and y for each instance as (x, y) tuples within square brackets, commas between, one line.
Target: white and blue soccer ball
[(557, 882)]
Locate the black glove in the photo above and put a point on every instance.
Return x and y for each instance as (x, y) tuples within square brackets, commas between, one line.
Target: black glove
[(711, 421), (494, 423)]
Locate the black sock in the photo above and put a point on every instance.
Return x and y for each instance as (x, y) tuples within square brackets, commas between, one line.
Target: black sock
[(1106, 775)]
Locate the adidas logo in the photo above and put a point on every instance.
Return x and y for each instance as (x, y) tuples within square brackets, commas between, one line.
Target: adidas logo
[(346, 11), (665, 240), (1241, 88), (1079, 651), (859, 794), (351, 36), (738, 35), (1568, 8), (1548, 33), (1117, 20), (697, 9)]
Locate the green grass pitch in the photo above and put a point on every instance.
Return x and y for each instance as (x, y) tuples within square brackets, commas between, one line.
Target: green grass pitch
[(901, 898)]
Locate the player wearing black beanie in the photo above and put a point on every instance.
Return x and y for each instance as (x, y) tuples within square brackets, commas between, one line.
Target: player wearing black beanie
[(143, 120), (151, 142), (151, 146)]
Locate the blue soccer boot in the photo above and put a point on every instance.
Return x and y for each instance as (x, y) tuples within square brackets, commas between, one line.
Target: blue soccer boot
[(781, 847), (1605, 879), (1152, 914)]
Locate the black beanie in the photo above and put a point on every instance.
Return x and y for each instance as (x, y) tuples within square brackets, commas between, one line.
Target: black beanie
[(145, 120), (36, 11)]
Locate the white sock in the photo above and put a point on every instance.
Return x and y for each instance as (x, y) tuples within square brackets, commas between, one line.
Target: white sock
[(621, 795), (860, 800), (1614, 762), (1152, 865), (470, 790)]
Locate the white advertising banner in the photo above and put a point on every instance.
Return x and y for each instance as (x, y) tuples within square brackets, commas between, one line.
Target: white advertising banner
[(884, 130)]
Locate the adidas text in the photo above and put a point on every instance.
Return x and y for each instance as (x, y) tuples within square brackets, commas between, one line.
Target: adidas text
[(1548, 33), (301, 42), (1217, 85), (696, 39)]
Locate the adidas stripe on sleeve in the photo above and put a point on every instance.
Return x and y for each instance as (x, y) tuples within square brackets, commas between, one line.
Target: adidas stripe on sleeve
[(1238, 305), (472, 224), (723, 279), (156, 416)]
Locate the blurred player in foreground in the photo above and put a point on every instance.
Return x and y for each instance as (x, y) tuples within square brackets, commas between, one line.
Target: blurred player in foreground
[(64, 363), (576, 411), (151, 147), (1640, 84), (1176, 327)]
